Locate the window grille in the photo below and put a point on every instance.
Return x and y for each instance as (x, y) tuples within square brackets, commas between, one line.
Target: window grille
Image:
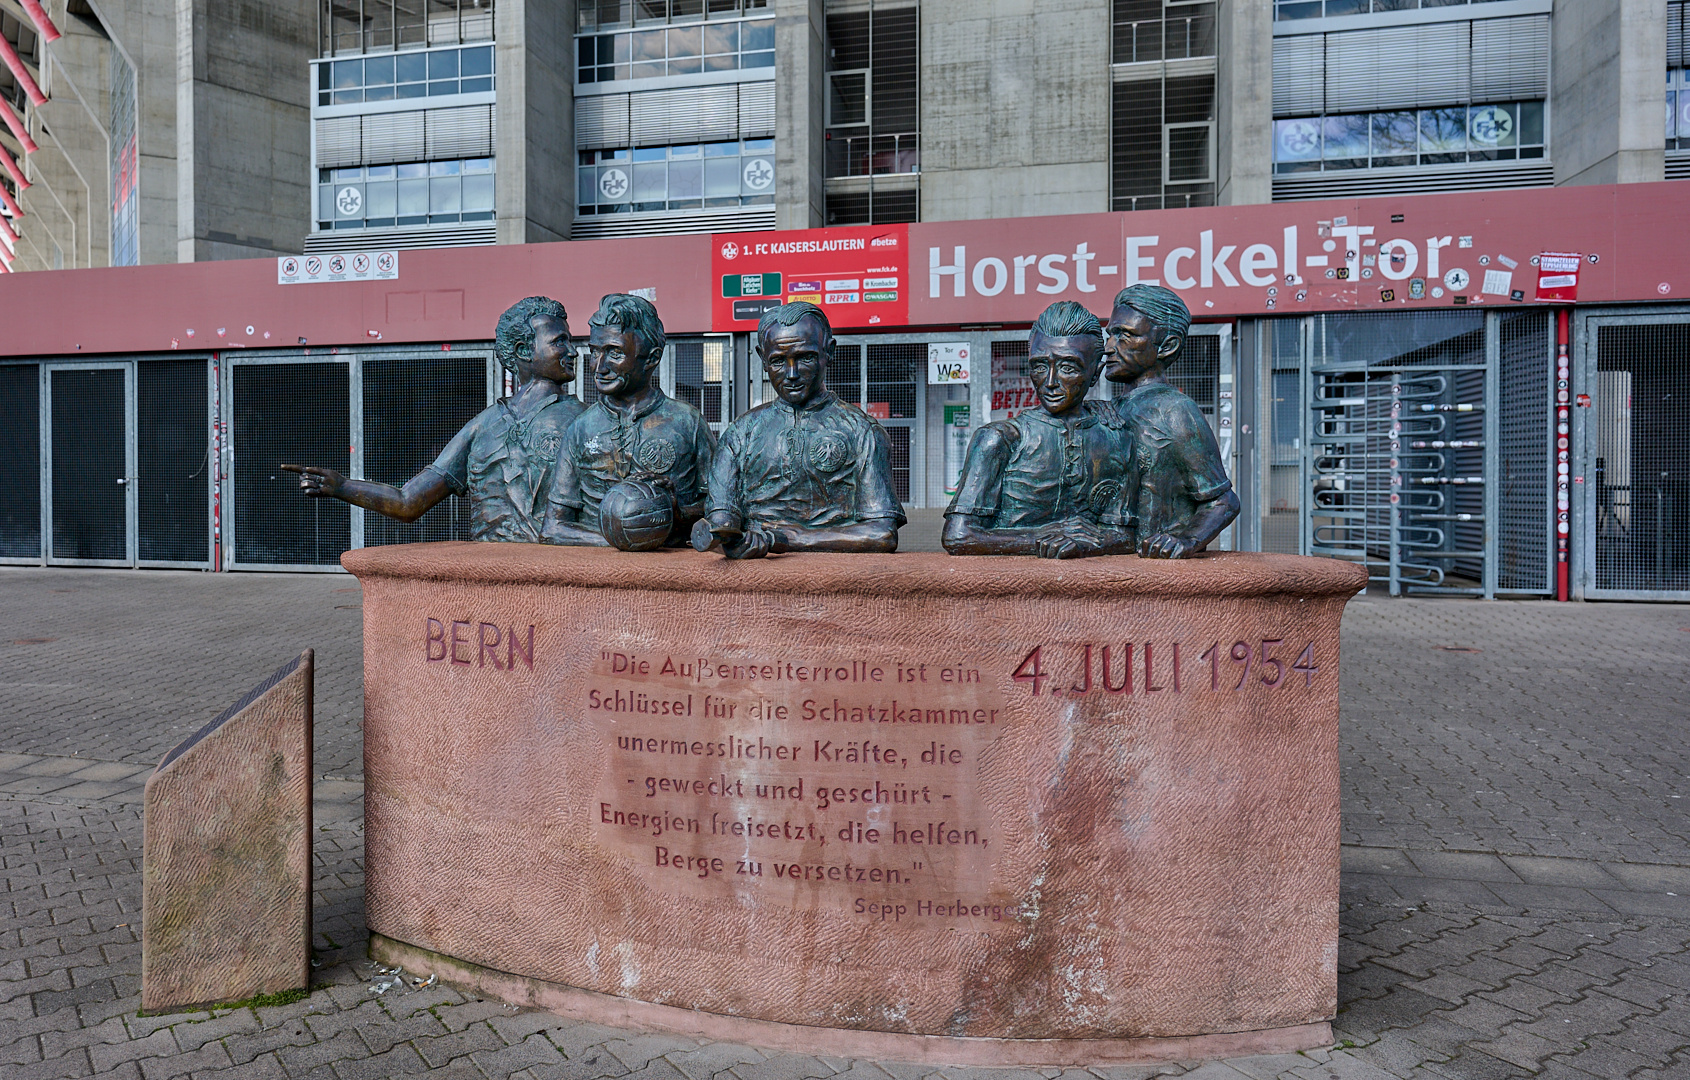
[(20, 459), (873, 114), (412, 408), (1176, 115), (1636, 457), (297, 413), (173, 460)]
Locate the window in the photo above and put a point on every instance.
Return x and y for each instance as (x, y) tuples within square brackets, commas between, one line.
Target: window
[(1452, 135), (1678, 109), (1147, 30), (695, 177), (366, 26), (873, 115), (605, 14), (1318, 9), (1162, 127), (1162, 145), (125, 175), (402, 76), (675, 50), (873, 101), (417, 193), (1678, 79)]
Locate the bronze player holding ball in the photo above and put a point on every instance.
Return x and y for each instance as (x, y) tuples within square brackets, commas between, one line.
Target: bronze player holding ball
[(631, 470), (503, 458)]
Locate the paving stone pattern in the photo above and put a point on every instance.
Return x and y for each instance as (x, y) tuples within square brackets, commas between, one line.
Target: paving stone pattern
[(1516, 886)]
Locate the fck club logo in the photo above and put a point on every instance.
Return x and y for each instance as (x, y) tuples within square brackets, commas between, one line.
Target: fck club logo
[(730, 251)]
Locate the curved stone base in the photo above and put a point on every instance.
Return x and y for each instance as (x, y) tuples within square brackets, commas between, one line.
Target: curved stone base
[(578, 1004), (873, 803)]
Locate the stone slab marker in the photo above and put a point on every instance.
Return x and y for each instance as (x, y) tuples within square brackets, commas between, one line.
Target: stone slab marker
[(226, 864)]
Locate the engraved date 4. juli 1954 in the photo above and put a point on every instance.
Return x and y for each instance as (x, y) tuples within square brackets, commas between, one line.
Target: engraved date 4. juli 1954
[(1149, 668)]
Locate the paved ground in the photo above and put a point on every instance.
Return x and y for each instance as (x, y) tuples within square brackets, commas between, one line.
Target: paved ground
[(1516, 890)]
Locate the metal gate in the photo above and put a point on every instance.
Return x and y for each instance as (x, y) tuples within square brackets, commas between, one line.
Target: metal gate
[(1632, 472), (381, 414), (122, 452), (1415, 462)]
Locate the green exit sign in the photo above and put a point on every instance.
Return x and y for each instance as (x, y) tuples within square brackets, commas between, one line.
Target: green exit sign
[(750, 285)]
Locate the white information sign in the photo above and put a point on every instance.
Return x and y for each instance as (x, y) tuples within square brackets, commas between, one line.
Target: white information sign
[(947, 362), (341, 266)]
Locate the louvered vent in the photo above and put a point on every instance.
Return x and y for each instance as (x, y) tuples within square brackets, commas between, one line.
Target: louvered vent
[(465, 132), (690, 114), (1511, 58), (408, 239), (601, 122), (338, 142), (750, 219), (1362, 184), (391, 137), (756, 110), (1398, 67), (1299, 75)]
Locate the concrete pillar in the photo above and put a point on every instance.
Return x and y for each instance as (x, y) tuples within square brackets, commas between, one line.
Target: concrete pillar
[(144, 32), (243, 136), (1014, 108), (534, 144), (75, 152), (800, 116), (1607, 68), (1244, 102)]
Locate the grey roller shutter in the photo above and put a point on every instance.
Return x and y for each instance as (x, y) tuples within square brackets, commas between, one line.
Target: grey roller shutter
[(1676, 52), (1299, 75), (465, 132), (601, 122), (1399, 67), (338, 142), (687, 115), (1511, 58), (756, 110), (393, 137)]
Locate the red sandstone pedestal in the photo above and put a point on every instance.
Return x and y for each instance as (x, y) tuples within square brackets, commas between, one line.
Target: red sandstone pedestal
[(972, 811)]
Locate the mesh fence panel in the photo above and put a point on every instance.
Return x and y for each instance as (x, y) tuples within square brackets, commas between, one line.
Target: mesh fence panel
[(412, 408), (845, 374), (1640, 457), (173, 443), (90, 517), (300, 414), (1526, 386), (698, 375), (892, 374), (900, 439), (1197, 372), (20, 459)]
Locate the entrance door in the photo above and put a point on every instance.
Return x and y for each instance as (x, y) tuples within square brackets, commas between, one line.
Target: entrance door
[(1635, 463), (91, 499)]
